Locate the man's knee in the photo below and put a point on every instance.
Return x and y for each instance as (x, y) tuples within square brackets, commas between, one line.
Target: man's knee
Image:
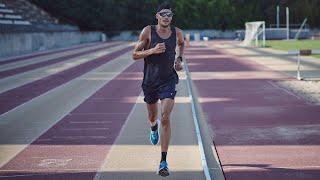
[(165, 119), (152, 111), (152, 115)]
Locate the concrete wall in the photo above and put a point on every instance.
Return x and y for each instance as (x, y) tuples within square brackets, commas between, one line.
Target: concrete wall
[(271, 33), (12, 44), (126, 36), (45, 27), (210, 33)]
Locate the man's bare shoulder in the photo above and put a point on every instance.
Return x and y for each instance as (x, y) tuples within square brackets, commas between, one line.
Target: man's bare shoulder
[(178, 30), (179, 33), (145, 32)]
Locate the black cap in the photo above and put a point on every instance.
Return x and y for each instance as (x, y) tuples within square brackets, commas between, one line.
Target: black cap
[(164, 5)]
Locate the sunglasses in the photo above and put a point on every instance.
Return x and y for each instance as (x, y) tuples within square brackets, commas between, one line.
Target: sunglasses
[(168, 14)]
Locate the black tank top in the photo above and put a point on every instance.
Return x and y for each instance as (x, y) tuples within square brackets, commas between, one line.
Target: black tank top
[(159, 68)]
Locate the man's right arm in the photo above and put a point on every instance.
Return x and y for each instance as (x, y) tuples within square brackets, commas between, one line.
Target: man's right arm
[(139, 52)]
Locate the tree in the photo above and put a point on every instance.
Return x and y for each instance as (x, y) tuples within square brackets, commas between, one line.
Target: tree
[(113, 15)]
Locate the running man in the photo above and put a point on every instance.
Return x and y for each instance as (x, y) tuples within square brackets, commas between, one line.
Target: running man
[(157, 45)]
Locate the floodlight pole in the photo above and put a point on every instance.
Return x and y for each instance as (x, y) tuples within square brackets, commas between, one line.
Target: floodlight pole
[(288, 33), (278, 17), (264, 35)]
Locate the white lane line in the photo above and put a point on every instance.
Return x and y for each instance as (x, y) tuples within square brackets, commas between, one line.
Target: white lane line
[(69, 171), (84, 129), (196, 124), (49, 52), (62, 85), (81, 137), (50, 58), (4, 160), (90, 122), (100, 170), (281, 88), (93, 113), (23, 78)]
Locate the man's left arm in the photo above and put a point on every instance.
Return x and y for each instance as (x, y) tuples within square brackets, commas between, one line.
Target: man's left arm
[(180, 43)]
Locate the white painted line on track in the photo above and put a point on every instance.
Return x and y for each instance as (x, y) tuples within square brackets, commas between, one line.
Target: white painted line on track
[(93, 113), (90, 122), (287, 91), (100, 170), (80, 137), (14, 151), (62, 85), (84, 129), (196, 124)]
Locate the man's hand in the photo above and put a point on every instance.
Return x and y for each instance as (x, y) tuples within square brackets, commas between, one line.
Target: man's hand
[(178, 64), (159, 48)]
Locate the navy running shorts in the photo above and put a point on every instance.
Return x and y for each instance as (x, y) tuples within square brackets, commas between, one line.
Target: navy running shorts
[(152, 96)]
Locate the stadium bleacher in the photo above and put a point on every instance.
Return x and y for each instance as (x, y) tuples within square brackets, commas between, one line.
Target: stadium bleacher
[(23, 16), (9, 16)]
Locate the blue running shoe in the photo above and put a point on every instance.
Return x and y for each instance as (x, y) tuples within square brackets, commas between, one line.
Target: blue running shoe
[(163, 169), (154, 136)]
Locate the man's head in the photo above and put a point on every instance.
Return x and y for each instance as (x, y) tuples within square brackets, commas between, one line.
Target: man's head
[(164, 14)]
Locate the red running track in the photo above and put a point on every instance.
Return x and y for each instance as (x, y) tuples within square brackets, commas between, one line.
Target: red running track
[(260, 130), (44, 53), (11, 72), (17, 96), (77, 145)]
